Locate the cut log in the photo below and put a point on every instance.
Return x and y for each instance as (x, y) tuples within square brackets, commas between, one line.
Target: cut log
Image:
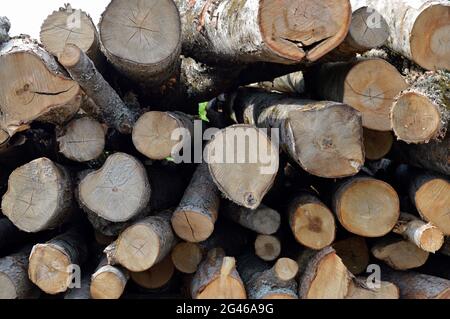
[(424, 235), (5, 25), (311, 222), (108, 282), (217, 278), (11, 237), (361, 84), (323, 275), (377, 144), (235, 31), (354, 254), (34, 87), (83, 292), (324, 138), (265, 282), (366, 206), (243, 162), (359, 290), (114, 112), (68, 25), (186, 257), (82, 139), (267, 247), (292, 83), (195, 216), (413, 285), (263, 220), (399, 254), (422, 112), (143, 244), (14, 282), (419, 29), (118, 192), (50, 266), (39, 196), (155, 277), (129, 31), (156, 134)]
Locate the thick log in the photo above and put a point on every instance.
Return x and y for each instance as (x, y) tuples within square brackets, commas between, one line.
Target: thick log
[(354, 253), (108, 282), (194, 218), (399, 254), (265, 282), (418, 29), (155, 277), (413, 285), (5, 25), (68, 25), (361, 84), (263, 220), (39, 196), (128, 33), (424, 235), (35, 87), (267, 247), (50, 266), (422, 112), (377, 144), (366, 206), (217, 278), (114, 112), (243, 162), (324, 138), (143, 244), (157, 134), (14, 282), (81, 140), (118, 192), (311, 222), (234, 31), (358, 289)]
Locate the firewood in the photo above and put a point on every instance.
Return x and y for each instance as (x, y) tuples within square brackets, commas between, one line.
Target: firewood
[(69, 25), (51, 262), (194, 218), (35, 87), (156, 134), (422, 112), (217, 278), (155, 277), (413, 285), (108, 282), (39, 196), (243, 162), (359, 290), (128, 32), (399, 254), (143, 244), (263, 220), (377, 144), (424, 235), (114, 112), (361, 84), (418, 29), (354, 253), (186, 257), (292, 83), (117, 192), (311, 222), (261, 30), (330, 132), (14, 282), (267, 247), (82, 139), (5, 25), (265, 282), (366, 206)]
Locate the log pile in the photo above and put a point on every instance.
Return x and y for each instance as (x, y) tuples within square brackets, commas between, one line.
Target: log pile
[(228, 149)]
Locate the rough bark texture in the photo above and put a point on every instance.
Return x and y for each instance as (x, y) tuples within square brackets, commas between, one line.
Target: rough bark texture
[(14, 282), (292, 83), (195, 216), (114, 112), (5, 25), (39, 196)]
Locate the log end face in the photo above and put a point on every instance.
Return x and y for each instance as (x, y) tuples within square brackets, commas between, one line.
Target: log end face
[(8, 289), (106, 285), (267, 247), (431, 238), (368, 29), (192, 226), (286, 269), (186, 257)]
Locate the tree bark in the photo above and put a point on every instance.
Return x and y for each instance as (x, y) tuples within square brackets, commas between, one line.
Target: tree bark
[(418, 29), (39, 196), (108, 282), (5, 25)]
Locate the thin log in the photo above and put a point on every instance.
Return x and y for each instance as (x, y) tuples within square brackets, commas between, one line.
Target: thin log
[(267, 247), (108, 282), (14, 282)]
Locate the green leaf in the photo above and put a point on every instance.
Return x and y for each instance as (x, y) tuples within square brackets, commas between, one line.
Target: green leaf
[(202, 111), (170, 159)]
